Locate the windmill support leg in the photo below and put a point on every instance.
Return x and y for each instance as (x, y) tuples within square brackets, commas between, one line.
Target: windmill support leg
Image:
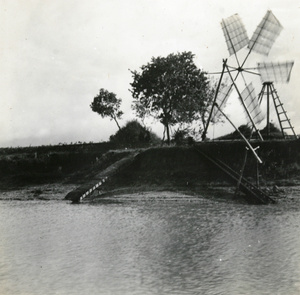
[(268, 110), (270, 92), (215, 98), (243, 166), (261, 94), (242, 173), (257, 174), (241, 134), (243, 103), (281, 112)]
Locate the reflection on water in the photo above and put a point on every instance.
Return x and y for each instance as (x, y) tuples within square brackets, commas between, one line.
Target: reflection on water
[(180, 246)]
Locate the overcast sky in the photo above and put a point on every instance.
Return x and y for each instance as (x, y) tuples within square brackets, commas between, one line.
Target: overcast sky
[(55, 56)]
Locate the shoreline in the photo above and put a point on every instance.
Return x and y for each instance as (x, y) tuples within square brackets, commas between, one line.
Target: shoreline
[(220, 192)]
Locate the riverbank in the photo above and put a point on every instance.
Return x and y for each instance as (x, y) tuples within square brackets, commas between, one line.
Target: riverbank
[(58, 191), (157, 169), (181, 169), (22, 167)]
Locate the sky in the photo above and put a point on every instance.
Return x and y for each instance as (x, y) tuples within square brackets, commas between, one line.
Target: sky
[(55, 56)]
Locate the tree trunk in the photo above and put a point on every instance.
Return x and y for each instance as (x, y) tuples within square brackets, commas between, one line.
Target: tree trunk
[(168, 134), (117, 122)]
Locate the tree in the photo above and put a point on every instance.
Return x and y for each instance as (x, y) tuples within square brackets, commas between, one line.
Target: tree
[(171, 89), (107, 104)]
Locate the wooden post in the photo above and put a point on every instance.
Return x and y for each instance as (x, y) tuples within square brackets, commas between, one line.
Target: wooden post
[(242, 135), (268, 111), (215, 98), (242, 172), (243, 166), (257, 174)]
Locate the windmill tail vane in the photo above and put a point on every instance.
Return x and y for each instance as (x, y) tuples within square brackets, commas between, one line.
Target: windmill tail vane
[(279, 72)]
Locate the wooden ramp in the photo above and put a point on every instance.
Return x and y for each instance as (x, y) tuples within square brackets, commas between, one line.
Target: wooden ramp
[(252, 192), (77, 195)]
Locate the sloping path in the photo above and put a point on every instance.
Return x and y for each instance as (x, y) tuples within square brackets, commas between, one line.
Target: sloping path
[(97, 180)]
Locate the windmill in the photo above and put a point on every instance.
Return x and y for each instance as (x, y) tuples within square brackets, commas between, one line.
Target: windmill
[(261, 42)]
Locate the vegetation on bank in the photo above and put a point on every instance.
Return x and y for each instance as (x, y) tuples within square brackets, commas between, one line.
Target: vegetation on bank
[(133, 134), (106, 104), (273, 133), (171, 89)]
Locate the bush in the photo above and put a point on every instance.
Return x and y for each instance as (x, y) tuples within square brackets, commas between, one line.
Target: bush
[(183, 136), (274, 132), (244, 129), (134, 134)]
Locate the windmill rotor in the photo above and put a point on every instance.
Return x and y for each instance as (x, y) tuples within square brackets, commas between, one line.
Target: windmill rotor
[(262, 40), (235, 34), (265, 34), (251, 103), (221, 100)]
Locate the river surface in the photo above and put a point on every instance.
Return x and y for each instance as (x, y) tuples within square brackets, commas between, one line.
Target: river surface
[(162, 243)]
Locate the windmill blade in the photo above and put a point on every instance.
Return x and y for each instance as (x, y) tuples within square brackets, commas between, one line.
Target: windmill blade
[(275, 72), (221, 101), (265, 34), (235, 33), (251, 103)]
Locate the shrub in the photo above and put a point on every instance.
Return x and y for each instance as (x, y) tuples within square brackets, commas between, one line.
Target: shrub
[(133, 134)]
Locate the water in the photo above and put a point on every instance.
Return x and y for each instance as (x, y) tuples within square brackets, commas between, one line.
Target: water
[(149, 244)]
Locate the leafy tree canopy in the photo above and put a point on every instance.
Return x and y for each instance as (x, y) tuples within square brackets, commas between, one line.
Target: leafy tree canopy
[(107, 104), (171, 89)]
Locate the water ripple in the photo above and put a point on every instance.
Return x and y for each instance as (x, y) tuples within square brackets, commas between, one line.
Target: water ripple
[(157, 247)]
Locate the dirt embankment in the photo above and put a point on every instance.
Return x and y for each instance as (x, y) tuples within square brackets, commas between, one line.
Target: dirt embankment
[(20, 167), (280, 159), (182, 168), (161, 167)]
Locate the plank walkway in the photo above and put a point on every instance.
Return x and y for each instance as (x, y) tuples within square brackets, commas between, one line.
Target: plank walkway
[(77, 195)]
